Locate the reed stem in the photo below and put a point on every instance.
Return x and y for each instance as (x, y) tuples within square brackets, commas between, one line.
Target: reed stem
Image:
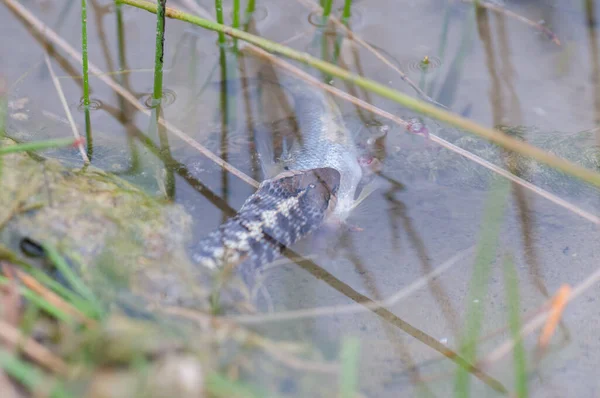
[(86, 81), (327, 4), (250, 7), (220, 20), (236, 14), (347, 13), (159, 53), (478, 288), (492, 135), (511, 282)]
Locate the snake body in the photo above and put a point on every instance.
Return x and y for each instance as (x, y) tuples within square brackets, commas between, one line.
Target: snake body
[(317, 178), (283, 210)]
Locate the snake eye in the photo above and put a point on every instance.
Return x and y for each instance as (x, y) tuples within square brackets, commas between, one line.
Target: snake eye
[(312, 186)]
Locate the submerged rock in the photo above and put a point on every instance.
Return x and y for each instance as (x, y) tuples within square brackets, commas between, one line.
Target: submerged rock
[(118, 237), (446, 167)]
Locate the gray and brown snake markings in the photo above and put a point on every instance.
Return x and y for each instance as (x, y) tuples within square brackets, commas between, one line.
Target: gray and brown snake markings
[(283, 210)]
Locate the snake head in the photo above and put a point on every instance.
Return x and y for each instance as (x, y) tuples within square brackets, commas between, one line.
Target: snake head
[(314, 191), (320, 188)]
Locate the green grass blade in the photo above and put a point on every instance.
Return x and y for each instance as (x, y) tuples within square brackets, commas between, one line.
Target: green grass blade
[(236, 14), (219, 386), (327, 5), (349, 367), (73, 298), (47, 307), (159, 53), (13, 258), (220, 20), (30, 376), (38, 145), (124, 116), (235, 22), (3, 113), (250, 8), (485, 255), (72, 278), (3, 107), (347, 13), (165, 150), (169, 183), (44, 305), (86, 80), (514, 320)]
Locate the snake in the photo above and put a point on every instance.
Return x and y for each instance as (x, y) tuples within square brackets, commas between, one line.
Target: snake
[(315, 180)]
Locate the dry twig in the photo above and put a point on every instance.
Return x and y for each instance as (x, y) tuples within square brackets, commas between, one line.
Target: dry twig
[(559, 302), (63, 101)]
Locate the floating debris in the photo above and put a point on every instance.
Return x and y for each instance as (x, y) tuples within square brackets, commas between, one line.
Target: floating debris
[(425, 64)]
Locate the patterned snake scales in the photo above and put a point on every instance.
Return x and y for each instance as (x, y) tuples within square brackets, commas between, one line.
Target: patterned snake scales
[(316, 180)]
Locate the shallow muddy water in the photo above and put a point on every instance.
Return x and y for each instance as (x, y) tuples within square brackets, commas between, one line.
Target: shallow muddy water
[(493, 68)]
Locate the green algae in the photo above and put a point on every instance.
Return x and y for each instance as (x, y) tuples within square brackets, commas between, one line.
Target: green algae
[(117, 235)]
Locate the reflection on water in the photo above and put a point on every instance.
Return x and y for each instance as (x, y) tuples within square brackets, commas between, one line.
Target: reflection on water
[(94, 105), (429, 203), (168, 98), (424, 64)]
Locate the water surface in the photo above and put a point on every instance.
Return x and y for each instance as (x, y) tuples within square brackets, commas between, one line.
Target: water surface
[(492, 68)]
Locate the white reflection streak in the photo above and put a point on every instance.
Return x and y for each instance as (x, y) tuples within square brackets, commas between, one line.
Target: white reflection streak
[(355, 308)]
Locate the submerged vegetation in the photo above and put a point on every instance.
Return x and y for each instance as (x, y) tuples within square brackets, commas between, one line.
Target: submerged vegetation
[(99, 299)]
